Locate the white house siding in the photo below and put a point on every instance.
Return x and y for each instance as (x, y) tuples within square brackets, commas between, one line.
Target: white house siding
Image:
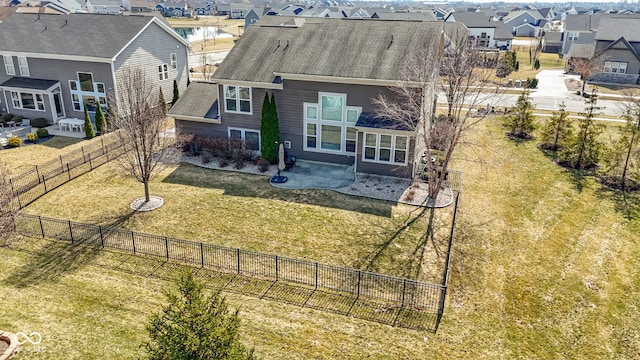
[(476, 32), (152, 48)]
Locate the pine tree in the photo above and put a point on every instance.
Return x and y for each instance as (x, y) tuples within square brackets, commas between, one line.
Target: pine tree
[(557, 130), (621, 162), (195, 326), (89, 131), (536, 64), (269, 129), (176, 93), (163, 102), (101, 122), (522, 123), (584, 150)]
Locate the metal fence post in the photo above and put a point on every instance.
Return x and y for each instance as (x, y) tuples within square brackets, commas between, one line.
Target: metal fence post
[(101, 237), (316, 276), (201, 255), (41, 227), (359, 275), (83, 158), (404, 288), (133, 241), (90, 164), (45, 185), (70, 231), (276, 267), (68, 172), (38, 173), (166, 244), (61, 164), (238, 252)]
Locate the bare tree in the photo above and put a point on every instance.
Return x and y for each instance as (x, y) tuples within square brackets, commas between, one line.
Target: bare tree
[(206, 68), (584, 63), (460, 73), (8, 207), (139, 119)]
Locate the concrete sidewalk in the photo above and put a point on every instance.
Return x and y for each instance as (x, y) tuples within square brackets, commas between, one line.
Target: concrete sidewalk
[(316, 175)]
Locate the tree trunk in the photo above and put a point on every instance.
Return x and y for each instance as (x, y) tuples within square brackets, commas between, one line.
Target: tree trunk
[(146, 191), (626, 162), (584, 84)]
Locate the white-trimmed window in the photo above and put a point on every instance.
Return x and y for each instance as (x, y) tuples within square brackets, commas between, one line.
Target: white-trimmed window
[(23, 65), (85, 91), (163, 71), (174, 61), (250, 137), (28, 101), (615, 67), (573, 36), (329, 125), (385, 148), (237, 99), (8, 65)]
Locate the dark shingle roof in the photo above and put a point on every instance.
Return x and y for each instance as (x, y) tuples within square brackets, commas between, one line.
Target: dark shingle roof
[(502, 32), (426, 16), (615, 27), (329, 47), (200, 100), (29, 83), (553, 36), (369, 120), (74, 34), (581, 50)]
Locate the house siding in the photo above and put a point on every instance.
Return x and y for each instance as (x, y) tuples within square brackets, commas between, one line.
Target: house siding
[(405, 171), (29, 114), (62, 71), (151, 49)]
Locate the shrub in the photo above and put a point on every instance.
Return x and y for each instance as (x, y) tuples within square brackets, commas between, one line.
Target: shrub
[(89, 131), (243, 155), (263, 165), (14, 141), (205, 158), (536, 64), (42, 133), (17, 118), (39, 123), (191, 143), (32, 137), (239, 164), (532, 83), (223, 163), (6, 117)]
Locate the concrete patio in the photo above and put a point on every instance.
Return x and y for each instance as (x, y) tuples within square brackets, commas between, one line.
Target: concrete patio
[(316, 175)]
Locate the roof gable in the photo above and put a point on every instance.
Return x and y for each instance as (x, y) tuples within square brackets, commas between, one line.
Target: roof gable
[(621, 44)]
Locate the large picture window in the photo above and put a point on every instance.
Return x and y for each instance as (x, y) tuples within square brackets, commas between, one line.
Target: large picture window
[(237, 99), (330, 124), (385, 148), (86, 92), (29, 101)]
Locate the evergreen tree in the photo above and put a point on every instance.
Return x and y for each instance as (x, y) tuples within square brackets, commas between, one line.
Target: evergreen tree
[(163, 102), (195, 326), (536, 64), (522, 122), (506, 64), (176, 93), (621, 162), (89, 131), (557, 130), (101, 122), (269, 129), (584, 150)]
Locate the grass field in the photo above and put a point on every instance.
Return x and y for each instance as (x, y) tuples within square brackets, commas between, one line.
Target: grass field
[(545, 266), (25, 157), (245, 211)]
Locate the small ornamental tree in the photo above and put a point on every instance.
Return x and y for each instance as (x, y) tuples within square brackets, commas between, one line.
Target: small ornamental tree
[(536, 64), (89, 131), (584, 150), (195, 326), (269, 129), (557, 130), (522, 122), (176, 93), (101, 122)]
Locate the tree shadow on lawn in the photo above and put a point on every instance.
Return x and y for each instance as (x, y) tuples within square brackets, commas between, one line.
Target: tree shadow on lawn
[(580, 177), (249, 185), (626, 203), (59, 142), (51, 262)]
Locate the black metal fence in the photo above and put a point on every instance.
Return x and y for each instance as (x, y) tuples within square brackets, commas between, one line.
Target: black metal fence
[(32, 184), (397, 293)]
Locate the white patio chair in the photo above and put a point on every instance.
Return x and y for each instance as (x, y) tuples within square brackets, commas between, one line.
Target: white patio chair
[(26, 123)]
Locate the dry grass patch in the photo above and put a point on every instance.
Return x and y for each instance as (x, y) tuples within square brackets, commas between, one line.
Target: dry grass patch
[(25, 157)]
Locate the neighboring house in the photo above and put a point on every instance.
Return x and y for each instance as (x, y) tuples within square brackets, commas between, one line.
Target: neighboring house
[(419, 16), (482, 30), (234, 10), (142, 6), (552, 42), (254, 15), (113, 7), (523, 22), (618, 49), (547, 13), (579, 29), (325, 75), (47, 72), (174, 9), (199, 102)]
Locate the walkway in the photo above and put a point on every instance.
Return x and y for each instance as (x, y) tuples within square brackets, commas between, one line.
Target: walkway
[(316, 175)]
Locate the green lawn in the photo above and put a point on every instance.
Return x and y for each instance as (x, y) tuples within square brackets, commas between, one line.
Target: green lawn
[(245, 211), (545, 266)]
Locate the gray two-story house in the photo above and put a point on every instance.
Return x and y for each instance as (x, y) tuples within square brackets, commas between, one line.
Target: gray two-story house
[(617, 49), (53, 66), (325, 75)]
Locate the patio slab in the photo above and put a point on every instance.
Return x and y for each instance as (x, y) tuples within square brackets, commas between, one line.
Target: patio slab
[(316, 175)]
